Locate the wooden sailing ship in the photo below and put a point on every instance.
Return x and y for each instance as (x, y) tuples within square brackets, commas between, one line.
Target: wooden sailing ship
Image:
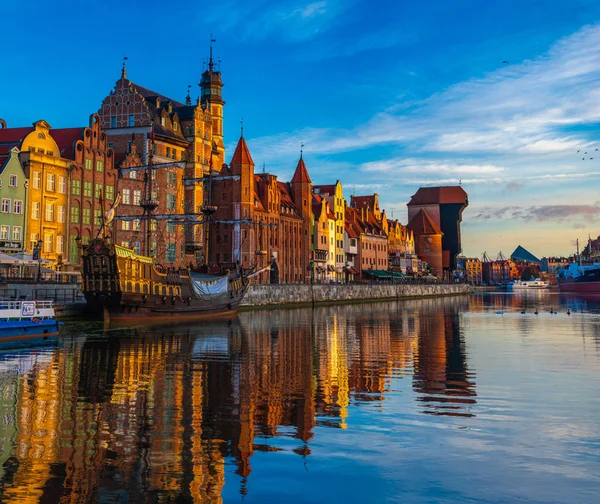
[(119, 283)]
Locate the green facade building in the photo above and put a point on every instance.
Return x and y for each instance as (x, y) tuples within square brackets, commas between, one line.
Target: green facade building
[(13, 202)]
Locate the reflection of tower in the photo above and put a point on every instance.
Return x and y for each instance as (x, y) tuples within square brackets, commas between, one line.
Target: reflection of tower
[(441, 372), (370, 369), (332, 391)]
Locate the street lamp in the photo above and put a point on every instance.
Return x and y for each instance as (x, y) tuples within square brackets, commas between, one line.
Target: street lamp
[(39, 258)]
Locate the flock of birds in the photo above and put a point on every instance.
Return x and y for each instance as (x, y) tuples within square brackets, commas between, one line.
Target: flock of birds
[(585, 152), (536, 312)]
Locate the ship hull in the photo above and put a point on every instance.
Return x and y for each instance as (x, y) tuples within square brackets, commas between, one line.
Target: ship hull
[(579, 287), (137, 308)]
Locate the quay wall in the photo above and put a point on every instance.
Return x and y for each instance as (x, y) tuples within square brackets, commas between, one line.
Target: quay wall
[(278, 295), (69, 299)]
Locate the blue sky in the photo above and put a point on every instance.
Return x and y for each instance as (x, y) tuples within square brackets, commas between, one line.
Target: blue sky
[(387, 96)]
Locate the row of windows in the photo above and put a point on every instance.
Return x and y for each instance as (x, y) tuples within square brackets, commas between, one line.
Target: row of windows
[(107, 191), (5, 233), (51, 180), (126, 196), (378, 262), (51, 243), (130, 121), (12, 181), (51, 212), (86, 216), (133, 225), (17, 206)]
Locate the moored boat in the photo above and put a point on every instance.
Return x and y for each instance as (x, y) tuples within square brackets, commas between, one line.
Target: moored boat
[(27, 320), (527, 284), (120, 284), (580, 278)]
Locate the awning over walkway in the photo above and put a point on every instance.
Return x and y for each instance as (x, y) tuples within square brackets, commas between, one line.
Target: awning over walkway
[(381, 274)]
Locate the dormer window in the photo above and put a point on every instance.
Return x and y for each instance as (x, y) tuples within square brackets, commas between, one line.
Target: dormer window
[(163, 121), (175, 126)]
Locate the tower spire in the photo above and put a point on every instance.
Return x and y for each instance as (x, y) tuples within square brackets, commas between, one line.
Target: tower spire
[(124, 69), (188, 98), (242, 127), (211, 64), (301, 149)]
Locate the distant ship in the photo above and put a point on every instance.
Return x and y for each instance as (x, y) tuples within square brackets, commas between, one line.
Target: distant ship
[(582, 277), (527, 284)]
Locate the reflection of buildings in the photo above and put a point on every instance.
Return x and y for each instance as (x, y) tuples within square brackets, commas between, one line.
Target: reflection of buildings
[(142, 417), (442, 374)]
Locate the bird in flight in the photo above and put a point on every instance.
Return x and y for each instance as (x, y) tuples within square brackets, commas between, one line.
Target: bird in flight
[(505, 62)]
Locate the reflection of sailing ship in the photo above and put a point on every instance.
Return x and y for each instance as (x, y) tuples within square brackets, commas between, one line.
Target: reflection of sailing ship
[(121, 283)]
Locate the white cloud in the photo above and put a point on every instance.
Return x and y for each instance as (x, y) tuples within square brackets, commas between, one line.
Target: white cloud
[(291, 21), (518, 110)]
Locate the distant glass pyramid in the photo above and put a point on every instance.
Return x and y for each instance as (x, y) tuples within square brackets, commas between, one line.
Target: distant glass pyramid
[(523, 255)]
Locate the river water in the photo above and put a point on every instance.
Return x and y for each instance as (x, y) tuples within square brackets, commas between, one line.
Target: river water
[(463, 399)]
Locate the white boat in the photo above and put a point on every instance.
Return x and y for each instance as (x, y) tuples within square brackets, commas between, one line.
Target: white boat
[(527, 284), (27, 321)]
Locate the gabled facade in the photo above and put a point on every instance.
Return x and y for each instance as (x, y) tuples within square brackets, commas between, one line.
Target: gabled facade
[(186, 140), (13, 198), (320, 209), (47, 203), (262, 221), (334, 194), (92, 184)]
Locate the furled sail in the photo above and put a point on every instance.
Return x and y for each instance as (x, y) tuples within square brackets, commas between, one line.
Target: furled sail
[(208, 286)]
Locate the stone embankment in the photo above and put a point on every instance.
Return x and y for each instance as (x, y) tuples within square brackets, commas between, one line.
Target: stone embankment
[(280, 295), (69, 300)]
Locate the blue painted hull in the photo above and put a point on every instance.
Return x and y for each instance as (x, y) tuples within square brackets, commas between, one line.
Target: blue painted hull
[(27, 329)]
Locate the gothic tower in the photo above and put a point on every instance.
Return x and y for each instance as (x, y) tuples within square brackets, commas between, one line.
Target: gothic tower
[(242, 204), (301, 186), (211, 98)]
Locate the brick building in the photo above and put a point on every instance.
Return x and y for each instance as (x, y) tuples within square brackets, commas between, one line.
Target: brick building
[(259, 218), (372, 244), (92, 182), (187, 143), (428, 241), (444, 206)]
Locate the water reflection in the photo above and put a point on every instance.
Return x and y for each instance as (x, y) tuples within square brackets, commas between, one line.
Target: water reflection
[(158, 415)]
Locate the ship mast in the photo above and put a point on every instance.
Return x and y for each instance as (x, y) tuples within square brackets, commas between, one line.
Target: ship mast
[(149, 204)]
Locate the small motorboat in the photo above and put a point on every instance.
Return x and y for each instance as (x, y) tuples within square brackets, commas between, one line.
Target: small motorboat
[(27, 320)]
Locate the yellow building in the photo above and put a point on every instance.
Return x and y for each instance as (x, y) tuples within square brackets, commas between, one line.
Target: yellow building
[(334, 195), (47, 207)]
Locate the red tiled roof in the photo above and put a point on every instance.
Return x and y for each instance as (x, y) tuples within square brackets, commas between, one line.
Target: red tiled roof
[(241, 154), (363, 201), (422, 224), (301, 173), (439, 195), (14, 135), (65, 138), (148, 93), (286, 198), (325, 189)]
